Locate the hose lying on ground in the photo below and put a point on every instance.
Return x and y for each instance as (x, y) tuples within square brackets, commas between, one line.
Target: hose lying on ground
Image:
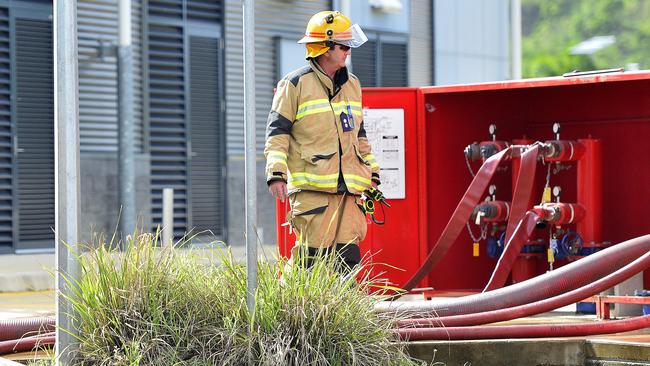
[(524, 331), (567, 278), (19, 327), (539, 307), (27, 344)]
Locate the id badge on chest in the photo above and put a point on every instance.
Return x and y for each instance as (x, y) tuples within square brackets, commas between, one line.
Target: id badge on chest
[(347, 120)]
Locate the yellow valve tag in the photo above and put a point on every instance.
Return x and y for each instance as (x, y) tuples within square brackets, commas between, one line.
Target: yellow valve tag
[(475, 249), (550, 255), (546, 196)]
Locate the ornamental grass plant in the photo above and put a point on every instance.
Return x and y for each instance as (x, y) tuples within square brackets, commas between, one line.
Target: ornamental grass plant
[(146, 305)]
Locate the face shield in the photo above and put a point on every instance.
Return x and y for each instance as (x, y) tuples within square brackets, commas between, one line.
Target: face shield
[(352, 37)]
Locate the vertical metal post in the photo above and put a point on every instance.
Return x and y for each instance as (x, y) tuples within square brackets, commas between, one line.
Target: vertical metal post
[(433, 43), (66, 166), (251, 150), (168, 217), (515, 49), (126, 150), (346, 8)]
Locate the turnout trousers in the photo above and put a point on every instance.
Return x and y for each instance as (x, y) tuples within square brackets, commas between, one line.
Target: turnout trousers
[(327, 222)]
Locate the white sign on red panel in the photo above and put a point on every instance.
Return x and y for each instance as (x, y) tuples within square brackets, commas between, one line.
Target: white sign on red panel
[(385, 129)]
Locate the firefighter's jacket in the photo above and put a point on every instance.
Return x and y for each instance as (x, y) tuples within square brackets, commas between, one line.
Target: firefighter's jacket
[(315, 133)]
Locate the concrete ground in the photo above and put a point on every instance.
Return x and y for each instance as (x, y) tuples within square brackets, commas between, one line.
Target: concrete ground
[(629, 349), (26, 272), (611, 350), (26, 283), (29, 303), (607, 350)]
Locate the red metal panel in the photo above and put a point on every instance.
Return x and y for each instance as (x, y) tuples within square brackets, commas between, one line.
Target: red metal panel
[(538, 82), (590, 191), (397, 243), (423, 187), (454, 121), (524, 268), (612, 108)]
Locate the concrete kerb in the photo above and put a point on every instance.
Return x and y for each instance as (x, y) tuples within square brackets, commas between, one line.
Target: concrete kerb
[(26, 281), (35, 272), (523, 352), (498, 352), (605, 350), (26, 272)]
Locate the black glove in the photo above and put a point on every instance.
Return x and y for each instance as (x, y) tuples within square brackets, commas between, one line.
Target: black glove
[(375, 195)]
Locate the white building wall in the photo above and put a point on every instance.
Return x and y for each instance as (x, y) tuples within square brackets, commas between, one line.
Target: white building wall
[(471, 41)]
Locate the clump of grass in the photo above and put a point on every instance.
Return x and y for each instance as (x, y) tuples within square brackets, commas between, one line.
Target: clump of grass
[(318, 317), (48, 362), (146, 305)]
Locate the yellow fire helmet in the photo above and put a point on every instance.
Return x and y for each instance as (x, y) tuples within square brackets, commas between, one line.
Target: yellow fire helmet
[(329, 27)]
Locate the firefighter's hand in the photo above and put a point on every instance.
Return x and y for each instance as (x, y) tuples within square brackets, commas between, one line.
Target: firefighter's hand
[(278, 189)]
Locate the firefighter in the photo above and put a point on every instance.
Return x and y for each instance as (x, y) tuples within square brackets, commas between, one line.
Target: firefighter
[(317, 152)]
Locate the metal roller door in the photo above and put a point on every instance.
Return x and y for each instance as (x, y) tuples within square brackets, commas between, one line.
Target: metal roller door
[(185, 115)]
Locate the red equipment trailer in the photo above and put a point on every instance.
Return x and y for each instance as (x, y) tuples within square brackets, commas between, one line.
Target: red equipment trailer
[(609, 112)]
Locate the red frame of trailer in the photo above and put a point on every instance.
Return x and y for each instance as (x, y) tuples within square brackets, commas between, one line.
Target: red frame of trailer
[(441, 120)]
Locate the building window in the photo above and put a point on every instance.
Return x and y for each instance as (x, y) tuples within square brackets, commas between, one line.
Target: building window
[(382, 61)]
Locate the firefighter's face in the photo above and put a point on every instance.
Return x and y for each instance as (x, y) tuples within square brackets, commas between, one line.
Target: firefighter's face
[(338, 54)]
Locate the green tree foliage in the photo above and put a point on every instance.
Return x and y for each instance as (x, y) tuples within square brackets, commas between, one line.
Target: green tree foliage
[(552, 27)]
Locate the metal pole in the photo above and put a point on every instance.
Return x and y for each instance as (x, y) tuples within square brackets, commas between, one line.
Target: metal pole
[(515, 20), (168, 217), (251, 153), (343, 6), (66, 166), (126, 124), (346, 9)]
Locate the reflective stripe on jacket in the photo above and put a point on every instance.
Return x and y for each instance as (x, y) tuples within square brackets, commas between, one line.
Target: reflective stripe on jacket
[(306, 144)]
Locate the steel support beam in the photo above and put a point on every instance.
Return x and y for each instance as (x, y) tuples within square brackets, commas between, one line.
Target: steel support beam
[(126, 150), (250, 150), (66, 166)]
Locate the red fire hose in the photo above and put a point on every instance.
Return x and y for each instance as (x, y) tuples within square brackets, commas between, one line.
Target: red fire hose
[(523, 189), (572, 276), (511, 251), (27, 344), (460, 216), (525, 331), (554, 213), (520, 223), (19, 327), (538, 307), (520, 204)]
